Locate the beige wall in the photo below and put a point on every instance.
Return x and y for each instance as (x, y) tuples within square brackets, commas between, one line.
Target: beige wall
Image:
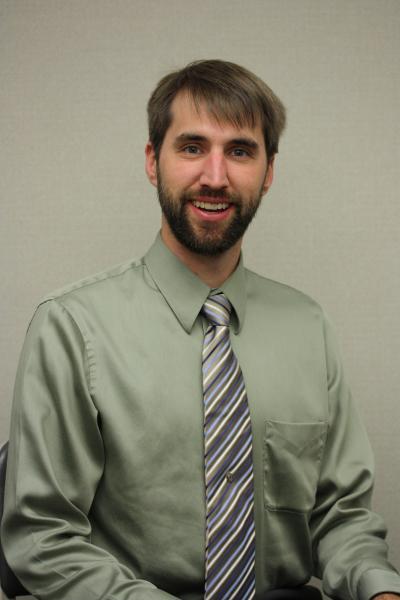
[(75, 76)]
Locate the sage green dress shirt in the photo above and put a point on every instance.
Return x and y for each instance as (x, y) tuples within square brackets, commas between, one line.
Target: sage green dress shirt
[(105, 488)]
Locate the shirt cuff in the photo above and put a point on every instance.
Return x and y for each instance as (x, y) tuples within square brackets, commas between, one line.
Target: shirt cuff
[(378, 581)]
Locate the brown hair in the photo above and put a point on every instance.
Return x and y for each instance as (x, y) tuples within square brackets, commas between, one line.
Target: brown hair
[(230, 92)]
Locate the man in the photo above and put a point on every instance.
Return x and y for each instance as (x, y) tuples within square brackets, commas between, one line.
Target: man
[(135, 473)]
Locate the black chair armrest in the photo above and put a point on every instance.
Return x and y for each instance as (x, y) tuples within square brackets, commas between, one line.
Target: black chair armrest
[(306, 592)]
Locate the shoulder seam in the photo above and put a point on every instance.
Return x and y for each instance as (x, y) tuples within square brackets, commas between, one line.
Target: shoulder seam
[(91, 280)]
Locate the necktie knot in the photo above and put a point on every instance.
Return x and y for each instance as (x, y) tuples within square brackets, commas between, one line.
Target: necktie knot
[(217, 310)]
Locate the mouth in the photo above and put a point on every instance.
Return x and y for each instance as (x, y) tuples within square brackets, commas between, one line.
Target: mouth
[(212, 210), (211, 206)]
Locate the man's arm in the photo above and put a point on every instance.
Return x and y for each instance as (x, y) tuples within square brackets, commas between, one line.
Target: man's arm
[(56, 460), (348, 538)]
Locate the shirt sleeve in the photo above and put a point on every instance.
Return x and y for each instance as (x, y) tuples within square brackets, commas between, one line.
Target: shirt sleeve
[(56, 460), (348, 538)]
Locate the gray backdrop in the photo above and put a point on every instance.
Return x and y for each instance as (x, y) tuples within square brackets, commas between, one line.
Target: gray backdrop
[(75, 77)]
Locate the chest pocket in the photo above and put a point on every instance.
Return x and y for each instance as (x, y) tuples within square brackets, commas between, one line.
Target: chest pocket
[(292, 458)]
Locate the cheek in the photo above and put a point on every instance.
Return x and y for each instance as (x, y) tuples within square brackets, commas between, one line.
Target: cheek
[(248, 185), (179, 175)]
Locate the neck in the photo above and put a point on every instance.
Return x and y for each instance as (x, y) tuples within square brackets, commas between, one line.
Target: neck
[(212, 270)]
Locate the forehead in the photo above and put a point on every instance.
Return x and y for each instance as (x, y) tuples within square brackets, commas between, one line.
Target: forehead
[(190, 116)]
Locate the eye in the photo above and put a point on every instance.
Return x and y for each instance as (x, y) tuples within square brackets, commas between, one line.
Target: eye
[(240, 153), (191, 149)]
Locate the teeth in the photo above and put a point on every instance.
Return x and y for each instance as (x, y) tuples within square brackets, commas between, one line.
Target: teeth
[(211, 206)]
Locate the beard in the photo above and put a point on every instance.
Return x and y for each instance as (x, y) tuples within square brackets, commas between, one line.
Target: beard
[(208, 239)]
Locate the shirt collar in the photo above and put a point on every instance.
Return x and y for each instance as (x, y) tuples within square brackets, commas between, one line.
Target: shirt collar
[(185, 293)]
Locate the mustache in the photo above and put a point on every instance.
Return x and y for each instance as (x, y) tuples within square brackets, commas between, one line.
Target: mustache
[(220, 194)]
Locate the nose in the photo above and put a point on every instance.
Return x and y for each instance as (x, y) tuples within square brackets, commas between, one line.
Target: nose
[(214, 171)]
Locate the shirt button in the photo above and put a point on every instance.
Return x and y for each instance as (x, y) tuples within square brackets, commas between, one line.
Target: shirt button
[(230, 476)]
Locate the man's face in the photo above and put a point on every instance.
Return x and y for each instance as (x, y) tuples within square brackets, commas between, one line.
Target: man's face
[(210, 178)]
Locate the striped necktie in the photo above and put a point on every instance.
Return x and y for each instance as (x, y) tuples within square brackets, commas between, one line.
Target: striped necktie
[(230, 533)]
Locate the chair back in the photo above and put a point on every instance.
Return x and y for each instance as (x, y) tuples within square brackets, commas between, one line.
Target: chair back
[(10, 585)]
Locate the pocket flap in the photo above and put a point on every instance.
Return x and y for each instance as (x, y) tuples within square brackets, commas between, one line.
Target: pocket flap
[(292, 457)]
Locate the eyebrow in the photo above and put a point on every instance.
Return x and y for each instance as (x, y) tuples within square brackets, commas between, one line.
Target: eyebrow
[(195, 137), (189, 137)]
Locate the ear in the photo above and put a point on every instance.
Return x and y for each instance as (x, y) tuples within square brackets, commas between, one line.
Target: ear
[(151, 163), (269, 176)]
